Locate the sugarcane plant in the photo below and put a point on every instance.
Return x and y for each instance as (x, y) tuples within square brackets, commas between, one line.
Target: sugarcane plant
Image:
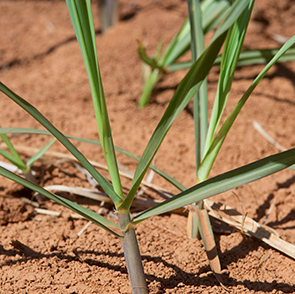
[(207, 145), (124, 227), (211, 13)]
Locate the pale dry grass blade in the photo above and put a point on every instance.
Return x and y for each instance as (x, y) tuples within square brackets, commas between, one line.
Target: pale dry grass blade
[(279, 38), (47, 212), (262, 132), (60, 155), (138, 205), (92, 194), (10, 167), (249, 227)]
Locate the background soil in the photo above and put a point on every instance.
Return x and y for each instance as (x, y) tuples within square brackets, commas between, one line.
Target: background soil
[(40, 60)]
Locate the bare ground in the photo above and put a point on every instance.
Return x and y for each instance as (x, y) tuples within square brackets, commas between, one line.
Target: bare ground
[(40, 60)]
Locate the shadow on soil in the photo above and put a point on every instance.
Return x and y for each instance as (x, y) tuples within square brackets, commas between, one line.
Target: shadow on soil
[(202, 278), (262, 210), (281, 70), (51, 49)]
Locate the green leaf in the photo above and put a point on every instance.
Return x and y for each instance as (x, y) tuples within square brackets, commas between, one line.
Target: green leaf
[(231, 51), (201, 97), (250, 57), (93, 142), (81, 17), (40, 153), (212, 14), (60, 137), (88, 214), (185, 91), (200, 102), (148, 87), (247, 57), (221, 135), (14, 156), (224, 182), (12, 159)]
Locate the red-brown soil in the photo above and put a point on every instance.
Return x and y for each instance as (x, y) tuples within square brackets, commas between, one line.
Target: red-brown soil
[(40, 60)]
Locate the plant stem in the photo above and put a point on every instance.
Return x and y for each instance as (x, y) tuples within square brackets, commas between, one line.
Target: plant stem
[(132, 255), (29, 176), (109, 14)]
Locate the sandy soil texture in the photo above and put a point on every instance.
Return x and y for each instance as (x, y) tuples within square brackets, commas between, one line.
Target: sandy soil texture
[(40, 60)]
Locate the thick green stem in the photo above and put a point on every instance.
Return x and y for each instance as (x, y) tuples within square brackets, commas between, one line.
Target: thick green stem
[(132, 255)]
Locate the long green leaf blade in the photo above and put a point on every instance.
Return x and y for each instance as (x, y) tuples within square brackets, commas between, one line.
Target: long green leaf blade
[(181, 43), (220, 137), (213, 12), (200, 103), (60, 137), (248, 57), (231, 51), (81, 17), (88, 214), (12, 159), (201, 97), (224, 182), (93, 142), (185, 91)]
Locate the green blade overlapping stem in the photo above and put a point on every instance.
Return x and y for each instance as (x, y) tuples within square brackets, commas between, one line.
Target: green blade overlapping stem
[(213, 12), (221, 135), (201, 97), (224, 182), (247, 57), (185, 91), (231, 51)]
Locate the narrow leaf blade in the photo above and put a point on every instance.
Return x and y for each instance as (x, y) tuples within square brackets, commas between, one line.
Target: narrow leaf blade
[(88, 214), (97, 143), (60, 137), (185, 91), (221, 135), (224, 182), (81, 17), (40, 153)]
